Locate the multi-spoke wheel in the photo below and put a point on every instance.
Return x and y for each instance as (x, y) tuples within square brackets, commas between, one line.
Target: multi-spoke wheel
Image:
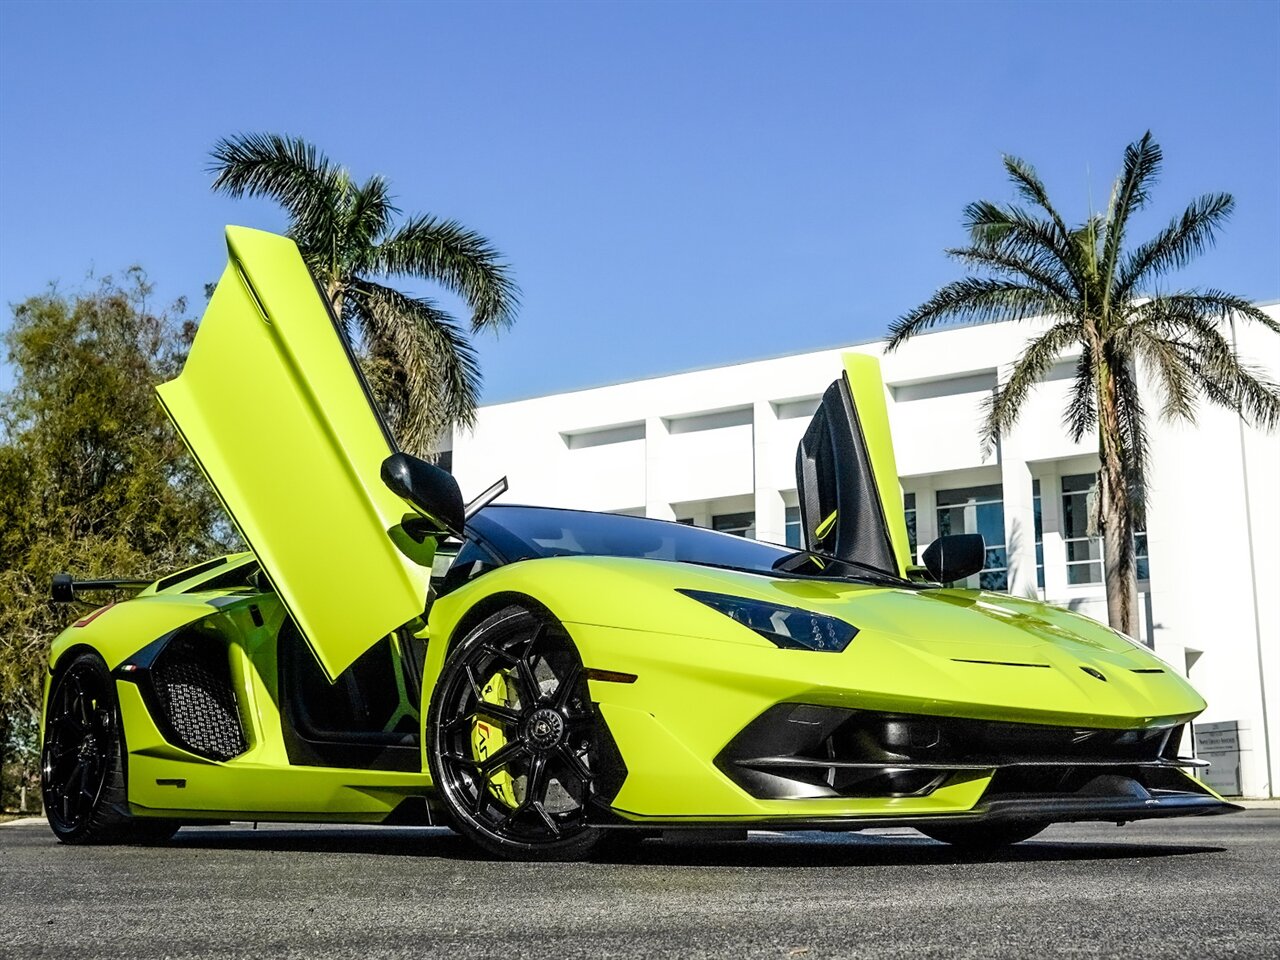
[(81, 765), (510, 733)]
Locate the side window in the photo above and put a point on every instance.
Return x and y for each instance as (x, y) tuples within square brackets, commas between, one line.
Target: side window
[(472, 561)]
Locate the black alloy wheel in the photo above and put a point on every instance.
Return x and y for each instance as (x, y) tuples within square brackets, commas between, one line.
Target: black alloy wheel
[(82, 762), (511, 732)]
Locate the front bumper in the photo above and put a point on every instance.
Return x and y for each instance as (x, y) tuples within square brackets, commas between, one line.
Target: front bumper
[(674, 726)]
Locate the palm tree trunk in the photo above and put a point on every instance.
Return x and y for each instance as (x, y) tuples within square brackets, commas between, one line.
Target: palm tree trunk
[(336, 291), (1116, 514)]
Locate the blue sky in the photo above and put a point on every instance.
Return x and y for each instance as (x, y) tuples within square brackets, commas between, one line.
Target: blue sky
[(676, 185)]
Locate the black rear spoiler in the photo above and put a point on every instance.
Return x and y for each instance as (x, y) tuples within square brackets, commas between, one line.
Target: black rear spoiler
[(64, 588)]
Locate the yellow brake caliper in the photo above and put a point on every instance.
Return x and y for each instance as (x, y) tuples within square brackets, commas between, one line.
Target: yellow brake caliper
[(488, 738)]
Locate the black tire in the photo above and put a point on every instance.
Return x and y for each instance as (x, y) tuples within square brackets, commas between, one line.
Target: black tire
[(82, 765), (983, 836), (495, 764)]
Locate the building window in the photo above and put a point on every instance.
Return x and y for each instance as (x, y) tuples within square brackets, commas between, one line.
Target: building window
[(978, 510), (1140, 559), (1084, 553), (739, 524), (795, 535), (1141, 562), (1035, 505), (909, 509)]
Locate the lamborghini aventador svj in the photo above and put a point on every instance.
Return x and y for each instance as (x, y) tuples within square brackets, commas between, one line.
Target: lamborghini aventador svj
[(541, 679)]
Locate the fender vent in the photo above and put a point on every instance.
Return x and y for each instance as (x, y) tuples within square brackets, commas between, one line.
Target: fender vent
[(192, 682)]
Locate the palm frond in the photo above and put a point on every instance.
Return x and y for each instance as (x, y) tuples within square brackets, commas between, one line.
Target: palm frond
[(1141, 168), (1005, 403), (289, 170), (1248, 389), (427, 354), (1133, 434), (1167, 363), (457, 258), (1184, 239), (1012, 230), (1081, 415), (978, 300), (367, 218), (1188, 306), (1013, 265), (1245, 388), (1032, 188), (1191, 324), (1086, 257)]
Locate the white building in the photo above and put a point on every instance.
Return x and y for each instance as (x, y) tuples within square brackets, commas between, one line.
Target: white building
[(717, 447)]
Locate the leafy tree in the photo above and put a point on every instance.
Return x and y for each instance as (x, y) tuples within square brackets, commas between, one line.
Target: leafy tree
[(1102, 295), (93, 480), (418, 359)]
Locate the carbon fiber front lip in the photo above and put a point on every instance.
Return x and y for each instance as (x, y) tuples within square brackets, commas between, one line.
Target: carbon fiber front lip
[(1046, 809)]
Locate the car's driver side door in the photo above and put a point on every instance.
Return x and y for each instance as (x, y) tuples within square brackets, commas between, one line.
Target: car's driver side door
[(272, 405)]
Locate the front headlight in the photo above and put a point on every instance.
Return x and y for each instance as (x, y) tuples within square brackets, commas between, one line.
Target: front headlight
[(788, 627)]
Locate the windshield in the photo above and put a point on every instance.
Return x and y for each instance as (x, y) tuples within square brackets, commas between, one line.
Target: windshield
[(521, 533)]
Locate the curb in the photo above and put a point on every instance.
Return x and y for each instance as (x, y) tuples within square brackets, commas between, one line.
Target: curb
[(1273, 804), (20, 821)]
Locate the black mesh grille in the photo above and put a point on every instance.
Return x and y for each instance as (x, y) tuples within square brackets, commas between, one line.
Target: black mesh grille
[(801, 750), (192, 681)]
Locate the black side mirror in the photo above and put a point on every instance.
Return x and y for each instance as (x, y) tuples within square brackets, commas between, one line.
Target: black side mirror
[(428, 489), (955, 557)]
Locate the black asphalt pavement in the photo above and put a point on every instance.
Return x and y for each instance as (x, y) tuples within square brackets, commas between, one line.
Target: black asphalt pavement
[(1186, 889)]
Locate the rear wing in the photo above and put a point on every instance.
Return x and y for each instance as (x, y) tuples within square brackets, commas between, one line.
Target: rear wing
[(64, 588)]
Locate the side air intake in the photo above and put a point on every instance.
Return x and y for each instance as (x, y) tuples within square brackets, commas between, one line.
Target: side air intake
[(192, 682)]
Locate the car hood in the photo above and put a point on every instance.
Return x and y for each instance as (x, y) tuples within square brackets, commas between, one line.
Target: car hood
[(955, 652)]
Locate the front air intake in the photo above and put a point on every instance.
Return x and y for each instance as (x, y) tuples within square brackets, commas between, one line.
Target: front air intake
[(795, 751)]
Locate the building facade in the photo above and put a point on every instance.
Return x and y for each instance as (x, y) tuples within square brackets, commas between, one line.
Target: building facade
[(717, 447)]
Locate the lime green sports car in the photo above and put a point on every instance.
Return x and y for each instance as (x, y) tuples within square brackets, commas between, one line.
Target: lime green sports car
[(542, 680)]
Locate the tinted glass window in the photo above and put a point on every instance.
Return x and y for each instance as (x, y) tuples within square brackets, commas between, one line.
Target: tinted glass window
[(530, 532), (742, 524), (978, 510)]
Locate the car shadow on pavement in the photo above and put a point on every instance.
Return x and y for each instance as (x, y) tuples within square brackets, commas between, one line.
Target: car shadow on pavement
[(762, 850)]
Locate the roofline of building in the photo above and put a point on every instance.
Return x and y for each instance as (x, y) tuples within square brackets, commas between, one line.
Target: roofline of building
[(775, 356)]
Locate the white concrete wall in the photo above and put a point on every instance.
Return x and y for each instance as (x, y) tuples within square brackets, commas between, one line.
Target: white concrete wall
[(723, 440)]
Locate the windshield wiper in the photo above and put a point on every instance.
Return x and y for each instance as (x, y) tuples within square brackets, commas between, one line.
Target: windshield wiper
[(794, 561)]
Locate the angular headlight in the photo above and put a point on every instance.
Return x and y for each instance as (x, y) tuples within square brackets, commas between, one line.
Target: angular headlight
[(786, 627)]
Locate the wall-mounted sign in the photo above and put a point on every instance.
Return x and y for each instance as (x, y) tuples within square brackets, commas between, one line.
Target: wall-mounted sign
[(1219, 743)]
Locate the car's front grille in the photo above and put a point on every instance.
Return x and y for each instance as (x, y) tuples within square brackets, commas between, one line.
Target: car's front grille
[(801, 750)]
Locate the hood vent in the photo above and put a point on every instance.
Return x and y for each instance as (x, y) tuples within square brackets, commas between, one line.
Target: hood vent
[(1001, 663)]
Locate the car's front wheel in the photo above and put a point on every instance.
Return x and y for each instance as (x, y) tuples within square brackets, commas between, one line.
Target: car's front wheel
[(510, 735), (82, 775), (983, 836)]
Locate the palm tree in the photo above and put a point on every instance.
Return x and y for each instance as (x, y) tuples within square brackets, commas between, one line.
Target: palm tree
[(1102, 296), (418, 359)]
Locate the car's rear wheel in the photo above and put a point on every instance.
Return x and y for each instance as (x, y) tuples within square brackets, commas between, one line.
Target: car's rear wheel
[(510, 738), (82, 775), (983, 836)]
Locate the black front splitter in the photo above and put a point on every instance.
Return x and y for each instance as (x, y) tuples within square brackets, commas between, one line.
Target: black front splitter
[(1040, 809)]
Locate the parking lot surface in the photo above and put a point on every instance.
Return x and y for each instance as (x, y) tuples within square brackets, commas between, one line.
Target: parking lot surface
[(1190, 889)]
